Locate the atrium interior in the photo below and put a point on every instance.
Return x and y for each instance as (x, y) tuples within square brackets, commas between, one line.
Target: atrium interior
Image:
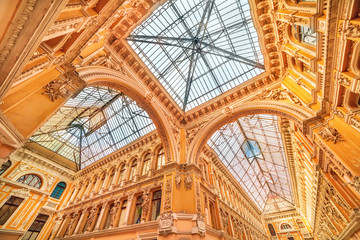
[(179, 119)]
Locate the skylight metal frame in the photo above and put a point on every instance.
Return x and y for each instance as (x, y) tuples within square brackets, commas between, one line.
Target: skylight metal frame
[(124, 122), (266, 178), (199, 49)]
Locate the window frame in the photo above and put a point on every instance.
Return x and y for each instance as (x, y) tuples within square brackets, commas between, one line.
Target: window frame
[(61, 187), (36, 230), (12, 211), (34, 176)]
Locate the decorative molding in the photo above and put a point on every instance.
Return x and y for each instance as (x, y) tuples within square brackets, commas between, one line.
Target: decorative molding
[(22, 193), (59, 88), (168, 195), (177, 181), (279, 94), (166, 224), (188, 181), (16, 29), (329, 133)]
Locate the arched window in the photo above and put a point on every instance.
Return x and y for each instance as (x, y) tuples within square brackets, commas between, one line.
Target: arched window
[(271, 230), (5, 166), (285, 226), (133, 170), (160, 159), (59, 189), (31, 180), (122, 173), (156, 204), (102, 180), (146, 164), (92, 186), (111, 179), (300, 223), (138, 210)]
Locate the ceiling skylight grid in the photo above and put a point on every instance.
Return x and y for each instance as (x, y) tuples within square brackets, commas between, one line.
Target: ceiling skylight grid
[(95, 123), (199, 49), (252, 150)]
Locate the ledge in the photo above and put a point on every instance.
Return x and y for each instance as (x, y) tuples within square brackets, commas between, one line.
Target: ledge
[(119, 230)]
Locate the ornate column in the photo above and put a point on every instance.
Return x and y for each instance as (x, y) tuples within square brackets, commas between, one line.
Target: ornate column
[(114, 214), (62, 226), (128, 207), (79, 223), (145, 205), (100, 218), (73, 223), (73, 196)]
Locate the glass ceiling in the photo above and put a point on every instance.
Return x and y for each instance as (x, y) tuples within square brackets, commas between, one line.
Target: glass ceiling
[(252, 150), (97, 122), (199, 49)]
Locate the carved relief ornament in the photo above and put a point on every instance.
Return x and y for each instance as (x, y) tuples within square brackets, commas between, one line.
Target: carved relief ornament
[(166, 223), (188, 181), (278, 94), (330, 133), (58, 89), (168, 190)]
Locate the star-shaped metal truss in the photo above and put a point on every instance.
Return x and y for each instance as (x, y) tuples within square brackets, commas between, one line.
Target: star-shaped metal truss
[(199, 49)]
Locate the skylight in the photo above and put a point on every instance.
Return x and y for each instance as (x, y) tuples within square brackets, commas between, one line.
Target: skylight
[(252, 150), (95, 123), (199, 49)]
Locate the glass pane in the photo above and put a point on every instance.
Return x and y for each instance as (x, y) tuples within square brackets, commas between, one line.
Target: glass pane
[(199, 49)]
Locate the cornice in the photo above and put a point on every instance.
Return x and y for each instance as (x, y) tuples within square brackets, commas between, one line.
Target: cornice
[(9, 133), (31, 158)]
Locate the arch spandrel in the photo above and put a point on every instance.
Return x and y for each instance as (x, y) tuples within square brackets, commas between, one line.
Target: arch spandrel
[(102, 76), (208, 127)]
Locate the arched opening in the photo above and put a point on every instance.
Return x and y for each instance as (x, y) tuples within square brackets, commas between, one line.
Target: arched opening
[(252, 149), (285, 226), (58, 191), (271, 230), (31, 180), (93, 124)]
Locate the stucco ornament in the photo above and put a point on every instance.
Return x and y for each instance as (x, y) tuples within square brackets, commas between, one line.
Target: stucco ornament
[(59, 88), (178, 181), (330, 133), (188, 181), (166, 223)]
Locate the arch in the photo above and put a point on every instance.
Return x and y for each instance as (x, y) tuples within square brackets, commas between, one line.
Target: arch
[(58, 190), (146, 162), (285, 226), (43, 177), (300, 223), (271, 230), (102, 76), (31, 180), (133, 165), (290, 111), (159, 156), (122, 170)]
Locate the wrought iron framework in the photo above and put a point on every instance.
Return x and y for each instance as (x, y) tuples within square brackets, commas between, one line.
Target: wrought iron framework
[(260, 166), (199, 49), (95, 123)]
